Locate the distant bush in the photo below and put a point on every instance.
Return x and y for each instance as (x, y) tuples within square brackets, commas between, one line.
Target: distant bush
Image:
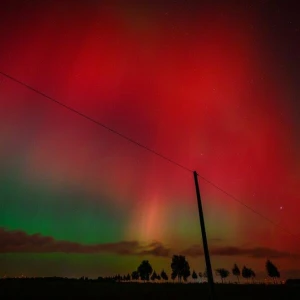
[(293, 282)]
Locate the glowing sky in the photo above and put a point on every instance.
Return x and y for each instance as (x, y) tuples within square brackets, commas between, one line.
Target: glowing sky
[(213, 87)]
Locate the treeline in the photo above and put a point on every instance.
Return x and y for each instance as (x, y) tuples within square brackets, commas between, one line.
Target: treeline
[(181, 271)]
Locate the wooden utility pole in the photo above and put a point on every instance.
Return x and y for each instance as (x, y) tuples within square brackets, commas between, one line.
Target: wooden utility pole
[(204, 240)]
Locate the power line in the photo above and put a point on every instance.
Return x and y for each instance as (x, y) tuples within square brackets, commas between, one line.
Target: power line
[(144, 147), (95, 121), (247, 206)]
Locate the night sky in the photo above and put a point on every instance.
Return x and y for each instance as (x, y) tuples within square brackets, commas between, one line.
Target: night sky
[(214, 87)]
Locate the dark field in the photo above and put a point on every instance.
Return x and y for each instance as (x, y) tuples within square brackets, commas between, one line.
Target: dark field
[(32, 289)]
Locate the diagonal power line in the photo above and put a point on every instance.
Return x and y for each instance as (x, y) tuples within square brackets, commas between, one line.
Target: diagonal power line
[(146, 148), (94, 121), (247, 206)]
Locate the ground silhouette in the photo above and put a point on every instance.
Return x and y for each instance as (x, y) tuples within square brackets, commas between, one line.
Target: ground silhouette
[(63, 288), (138, 285)]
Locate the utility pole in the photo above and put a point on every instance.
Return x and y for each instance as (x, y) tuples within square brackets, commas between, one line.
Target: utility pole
[(204, 240)]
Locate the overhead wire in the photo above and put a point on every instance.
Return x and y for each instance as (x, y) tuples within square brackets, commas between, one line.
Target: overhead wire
[(144, 147)]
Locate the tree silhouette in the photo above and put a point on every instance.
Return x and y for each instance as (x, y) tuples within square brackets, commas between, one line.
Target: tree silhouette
[(194, 275), (164, 275), (236, 272), (200, 275), (223, 273), (272, 270), (205, 274), (246, 273), (252, 274), (180, 267), (135, 275), (145, 270), (153, 276), (173, 276), (158, 277)]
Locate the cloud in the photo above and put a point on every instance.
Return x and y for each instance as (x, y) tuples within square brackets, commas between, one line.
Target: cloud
[(193, 251), (255, 252), (18, 241), (156, 249)]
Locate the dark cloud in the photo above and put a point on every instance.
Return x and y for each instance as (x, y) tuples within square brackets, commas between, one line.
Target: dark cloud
[(193, 251), (255, 252), (156, 249), (19, 241)]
